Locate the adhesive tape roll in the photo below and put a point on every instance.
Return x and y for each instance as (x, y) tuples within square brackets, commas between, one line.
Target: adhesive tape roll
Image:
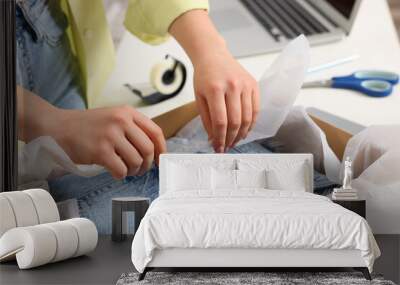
[(157, 73)]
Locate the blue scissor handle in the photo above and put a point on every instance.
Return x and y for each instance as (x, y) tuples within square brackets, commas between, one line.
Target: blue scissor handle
[(373, 88), (390, 77)]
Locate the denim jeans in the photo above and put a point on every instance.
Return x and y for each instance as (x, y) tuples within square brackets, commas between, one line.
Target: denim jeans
[(45, 64)]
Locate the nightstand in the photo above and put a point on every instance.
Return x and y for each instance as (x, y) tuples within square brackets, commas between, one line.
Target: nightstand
[(138, 205), (356, 206)]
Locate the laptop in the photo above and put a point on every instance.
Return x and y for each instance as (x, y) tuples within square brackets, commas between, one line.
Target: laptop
[(252, 27)]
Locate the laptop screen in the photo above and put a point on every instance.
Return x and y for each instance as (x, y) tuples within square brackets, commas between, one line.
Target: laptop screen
[(345, 7)]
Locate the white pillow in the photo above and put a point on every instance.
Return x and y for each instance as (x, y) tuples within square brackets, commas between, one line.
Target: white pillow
[(223, 179), (292, 179), (251, 178), (182, 177)]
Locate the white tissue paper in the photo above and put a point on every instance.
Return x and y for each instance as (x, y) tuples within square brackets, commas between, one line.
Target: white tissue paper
[(376, 168), (43, 158), (279, 87)]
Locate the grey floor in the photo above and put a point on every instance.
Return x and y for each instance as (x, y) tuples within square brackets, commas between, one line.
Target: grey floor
[(110, 260), (103, 266)]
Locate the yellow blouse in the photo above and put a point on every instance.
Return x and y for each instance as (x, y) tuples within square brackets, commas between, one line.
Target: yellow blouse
[(91, 40)]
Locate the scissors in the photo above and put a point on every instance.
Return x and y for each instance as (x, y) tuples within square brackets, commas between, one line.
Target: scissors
[(372, 83)]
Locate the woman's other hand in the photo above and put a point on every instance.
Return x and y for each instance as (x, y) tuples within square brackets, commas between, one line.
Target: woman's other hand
[(227, 97)]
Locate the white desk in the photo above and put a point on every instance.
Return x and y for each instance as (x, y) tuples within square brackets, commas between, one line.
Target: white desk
[(373, 38)]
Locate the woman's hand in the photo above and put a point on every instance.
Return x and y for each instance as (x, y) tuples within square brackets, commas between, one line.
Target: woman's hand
[(227, 95), (120, 138)]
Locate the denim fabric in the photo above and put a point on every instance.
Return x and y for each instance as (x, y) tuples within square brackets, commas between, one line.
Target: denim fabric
[(94, 194), (45, 64)]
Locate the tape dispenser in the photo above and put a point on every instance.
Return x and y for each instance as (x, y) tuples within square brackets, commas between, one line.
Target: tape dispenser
[(167, 79)]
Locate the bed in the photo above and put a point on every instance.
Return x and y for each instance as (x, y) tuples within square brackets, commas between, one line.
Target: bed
[(247, 211)]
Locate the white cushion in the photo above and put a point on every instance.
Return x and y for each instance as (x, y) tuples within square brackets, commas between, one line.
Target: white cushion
[(23, 208), (66, 237), (182, 177), (34, 244), (40, 244), (290, 179), (87, 233), (230, 180), (45, 206), (251, 178), (7, 218), (26, 208), (223, 179), (282, 174)]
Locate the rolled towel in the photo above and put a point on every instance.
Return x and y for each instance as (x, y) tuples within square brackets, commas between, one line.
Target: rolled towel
[(26, 208), (40, 244)]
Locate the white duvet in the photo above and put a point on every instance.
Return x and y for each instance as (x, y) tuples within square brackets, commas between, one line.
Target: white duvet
[(252, 218)]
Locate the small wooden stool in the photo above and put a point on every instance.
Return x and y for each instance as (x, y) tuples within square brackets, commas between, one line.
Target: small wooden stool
[(138, 205)]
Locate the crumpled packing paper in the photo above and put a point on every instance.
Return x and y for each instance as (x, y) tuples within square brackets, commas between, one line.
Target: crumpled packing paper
[(376, 168)]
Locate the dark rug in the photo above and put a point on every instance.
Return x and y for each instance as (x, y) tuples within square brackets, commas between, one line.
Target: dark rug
[(269, 278)]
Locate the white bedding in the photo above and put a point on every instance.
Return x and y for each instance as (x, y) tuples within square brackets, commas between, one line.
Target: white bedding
[(252, 218)]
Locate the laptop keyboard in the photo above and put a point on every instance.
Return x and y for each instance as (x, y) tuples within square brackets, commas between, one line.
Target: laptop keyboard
[(284, 18)]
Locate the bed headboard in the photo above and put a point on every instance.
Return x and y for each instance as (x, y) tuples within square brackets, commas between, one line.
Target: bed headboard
[(230, 161)]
